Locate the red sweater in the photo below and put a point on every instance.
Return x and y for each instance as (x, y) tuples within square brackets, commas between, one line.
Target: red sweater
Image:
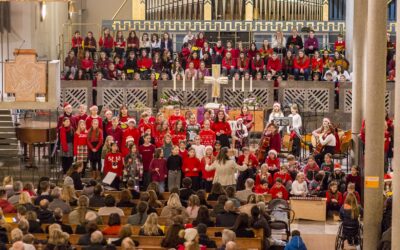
[(144, 63), (191, 166), (178, 136), (260, 177), (145, 126), (159, 138), (200, 42), (160, 174), (183, 154), (80, 118), (173, 118), (257, 65), (252, 158), (271, 162), (243, 64), (114, 162), (80, 140), (119, 43), (317, 65), (147, 153), (77, 42), (66, 135), (219, 50), (338, 196), (95, 137), (129, 132), (195, 61), (7, 207), (87, 64), (116, 134), (106, 42), (90, 119), (207, 137), (340, 46), (206, 175), (284, 176), (274, 191), (228, 63), (260, 189), (303, 63), (223, 127), (274, 64)]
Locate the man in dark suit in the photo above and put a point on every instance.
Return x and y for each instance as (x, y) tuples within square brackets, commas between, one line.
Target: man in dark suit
[(227, 218)]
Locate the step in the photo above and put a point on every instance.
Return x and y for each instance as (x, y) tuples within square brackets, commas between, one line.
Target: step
[(9, 152), (5, 118), (8, 146), (7, 129), (6, 123), (7, 135), (5, 112), (9, 141)]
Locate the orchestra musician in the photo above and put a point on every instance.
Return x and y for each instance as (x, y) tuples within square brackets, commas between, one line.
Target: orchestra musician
[(326, 141), (270, 139), (276, 113)]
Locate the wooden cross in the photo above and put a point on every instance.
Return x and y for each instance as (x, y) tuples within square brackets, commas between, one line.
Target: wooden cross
[(216, 80), (25, 77)]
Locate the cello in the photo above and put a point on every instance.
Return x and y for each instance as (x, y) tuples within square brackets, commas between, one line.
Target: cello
[(264, 145)]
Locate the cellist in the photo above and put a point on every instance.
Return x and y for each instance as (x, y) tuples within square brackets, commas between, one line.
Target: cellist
[(270, 139)]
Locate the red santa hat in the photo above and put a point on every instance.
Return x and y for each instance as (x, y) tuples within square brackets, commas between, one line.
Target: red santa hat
[(240, 118), (208, 147), (93, 107), (273, 151), (131, 120), (337, 166), (67, 105), (129, 138), (387, 178)]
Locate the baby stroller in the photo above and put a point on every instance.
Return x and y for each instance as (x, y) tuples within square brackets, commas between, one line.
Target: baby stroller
[(350, 233), (281, 217)]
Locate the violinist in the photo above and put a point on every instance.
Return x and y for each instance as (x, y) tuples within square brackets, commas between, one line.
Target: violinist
[(250, 160), (270, 139), (326, 141)]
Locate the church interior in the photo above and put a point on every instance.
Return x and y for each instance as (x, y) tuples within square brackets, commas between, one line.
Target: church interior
[(199, 124)]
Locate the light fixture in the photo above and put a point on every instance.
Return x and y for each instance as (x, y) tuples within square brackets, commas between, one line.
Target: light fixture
[(71, 8), (43, 10)]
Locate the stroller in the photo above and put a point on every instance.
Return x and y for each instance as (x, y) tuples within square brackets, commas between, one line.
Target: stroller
[(281, 217)]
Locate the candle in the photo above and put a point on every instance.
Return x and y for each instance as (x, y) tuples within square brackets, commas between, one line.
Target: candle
[(184, 83), (242, 84), (174, 82), (193, 83), (233, 84), (251, 84)]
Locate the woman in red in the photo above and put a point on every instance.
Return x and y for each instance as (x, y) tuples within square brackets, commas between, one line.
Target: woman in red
[(131, 130), (263, 174), (114, 163), (90, 44), (94, 116), (257, 64), (301, 66), (228, 65), (119, 44), (207, 136), (265, 51), (195, 60), (250, 160), (66, 141), (80, 144), (94, 142), (106, 42), (200, 40), (87, 65), (273, 162), (191, 168), (207, 176), (123, 116), (147, 152), (317, 64), (251, 53), (160, 132), (178, 133), (242, 63), (222, 129), (247, 117), (132, 42), (144, 64), (76, 42), (158, 169)]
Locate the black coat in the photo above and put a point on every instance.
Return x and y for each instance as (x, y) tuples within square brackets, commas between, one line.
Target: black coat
[(206, 241), (226, 219)]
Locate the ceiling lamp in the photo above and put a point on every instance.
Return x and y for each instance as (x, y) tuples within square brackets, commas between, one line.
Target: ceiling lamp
[(43, 10), (71, 8)]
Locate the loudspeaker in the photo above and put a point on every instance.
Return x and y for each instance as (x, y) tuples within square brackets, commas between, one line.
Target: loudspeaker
[(5, 17)]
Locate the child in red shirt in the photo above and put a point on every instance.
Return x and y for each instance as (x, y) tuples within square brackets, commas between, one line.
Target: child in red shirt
[(284, 176), (191, 168), (114, 163), (207, 136), (273, 162), (94, 142), (145, 125), (262, 188), (278, 191), (175, 117), (116, 132), (355, 178), (207, 176), (94, 116), (222, 129), (334, 199), (182, 150), (80, 143), (158, 169), (178, 133), (130, 131), (249, 160), (147, 152), (160, 132), (263, 174)]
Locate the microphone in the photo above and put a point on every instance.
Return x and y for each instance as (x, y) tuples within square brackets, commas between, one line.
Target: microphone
[(22, 44)]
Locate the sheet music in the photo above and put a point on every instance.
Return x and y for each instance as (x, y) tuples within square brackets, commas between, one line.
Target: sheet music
[(109, 178)]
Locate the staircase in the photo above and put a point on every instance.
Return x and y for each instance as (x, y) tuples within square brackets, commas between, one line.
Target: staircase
[(9, 146)]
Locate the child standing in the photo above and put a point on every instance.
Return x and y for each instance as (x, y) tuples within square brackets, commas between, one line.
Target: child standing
[(106, 148), (114, 163), (94, 141), (133, 166), (207, 176), (147, 152), (158, 169), (167, 146), (207, 136), (327, 166), (66, 141), (199, 149), (178, 133), (93, 116), (191, 168), (193, 128), (80, 145), (174, 166)]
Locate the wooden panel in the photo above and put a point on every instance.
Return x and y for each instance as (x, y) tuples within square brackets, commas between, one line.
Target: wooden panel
[(309, 209), (258, 118)]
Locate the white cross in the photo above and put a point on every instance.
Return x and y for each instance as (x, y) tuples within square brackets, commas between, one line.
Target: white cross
[(216, 80)]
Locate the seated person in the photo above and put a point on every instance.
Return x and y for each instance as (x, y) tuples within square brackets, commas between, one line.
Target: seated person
[(151, 227), (242, 227), (278, 190), (228, 217), (110, 207)]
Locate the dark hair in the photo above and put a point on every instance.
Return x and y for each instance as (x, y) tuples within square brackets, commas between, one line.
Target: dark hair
[(142, 207), (217, 189), (91, 226), (255, 213), (216, 117), (114, 219), (187, 182), (202, 196), (223, 155), (130, 183), (98, 189), (295, 233), (222, 199), (109, 201), (202, 228), (203, 216), (43, 178), (230, 191), (172, 239), (126, 195), (242, 221), (319, 177), (3, 192), (157, 153)]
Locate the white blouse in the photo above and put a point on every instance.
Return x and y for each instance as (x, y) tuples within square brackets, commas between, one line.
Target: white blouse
[(330, 140), (296, 122), (275, 115)]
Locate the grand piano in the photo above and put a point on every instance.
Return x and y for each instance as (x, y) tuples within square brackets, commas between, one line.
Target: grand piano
[(29, 133)]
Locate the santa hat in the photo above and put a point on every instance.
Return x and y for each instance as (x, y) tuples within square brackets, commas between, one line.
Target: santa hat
[(67, 105), (93, 107), (240, 118), (131, 120), (208, 147), (337, 166), (277, 104), (273, 151), (387, 178), (108, 112), (129, 138)]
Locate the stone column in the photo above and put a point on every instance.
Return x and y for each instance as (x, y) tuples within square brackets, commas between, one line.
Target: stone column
[(396, 153), (249, 9), (207, 10), (351, 12), (325, 10), (138, 10), (374, 120), (359, 28)]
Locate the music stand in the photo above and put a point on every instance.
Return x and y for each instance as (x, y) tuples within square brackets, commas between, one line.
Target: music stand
[(283, 121)]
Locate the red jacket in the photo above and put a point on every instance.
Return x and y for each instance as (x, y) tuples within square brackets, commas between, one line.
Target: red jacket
[(191, 166), (196, 63), (7, 207), (161, 174), (95, 137), (206, 175), (90, 119), (222, 126), (234, 53), (200, 42), (252, 158), (107, 42), (114, 162), (260, 189), (338, 197), (285, 177), (65, 133), (77, 42), (257, 65), (243, 64), (270, 162), (178, 136), (228, 63), (207, 137), (274, 64), (274, 191), (80, 140), (317, 65), (302, 64), (144, 63)]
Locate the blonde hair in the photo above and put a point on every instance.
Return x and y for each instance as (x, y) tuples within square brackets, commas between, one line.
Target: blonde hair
[(68, 194), (260, 198), (78, 129), (174, 201), (8, 180), (57, 237), (151, 227), (24, 198), (352, 201), (127, 244), (193, 201)]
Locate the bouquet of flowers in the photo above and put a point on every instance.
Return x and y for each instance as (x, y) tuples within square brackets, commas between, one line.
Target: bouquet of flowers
[(251, 103), (166, 101)]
